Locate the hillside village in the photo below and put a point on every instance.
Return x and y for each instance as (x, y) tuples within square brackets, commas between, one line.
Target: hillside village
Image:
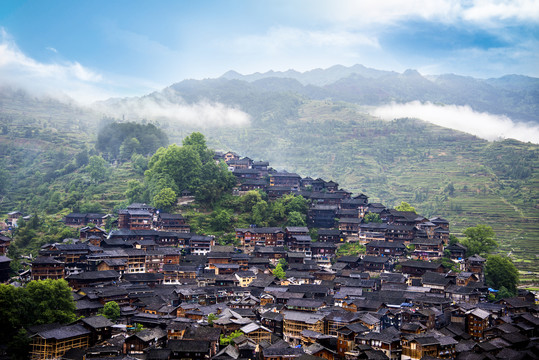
[(277, 293)]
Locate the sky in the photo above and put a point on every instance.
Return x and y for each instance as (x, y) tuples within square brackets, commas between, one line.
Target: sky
[(91, 50)]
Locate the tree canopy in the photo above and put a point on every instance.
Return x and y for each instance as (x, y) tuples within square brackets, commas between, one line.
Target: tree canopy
[(404, 206), (111, 310), (500, 272), (479, 240), (40, 302), (188, 167), (122, 140)]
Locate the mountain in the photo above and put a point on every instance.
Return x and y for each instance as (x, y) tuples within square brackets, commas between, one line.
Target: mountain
[(318, 124), (513, 95)]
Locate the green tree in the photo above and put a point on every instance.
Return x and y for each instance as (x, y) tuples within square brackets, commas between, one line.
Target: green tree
[(182, 164), (198, 142), (372, 218), (279, 272), (82, 159), (139, 163), (139, 327), (49, 301), (221, 220), (260, 213), (211, 318), (135, 191), (479, 240), (19, 346), (111, 310), (295, 218), (226, 340), (165, 199), (11, 311), (501, 272), (250, 199), (97, 168), (404, 206), (129, 147)]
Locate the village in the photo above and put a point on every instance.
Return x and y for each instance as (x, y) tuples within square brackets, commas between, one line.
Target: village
[(278, 292)]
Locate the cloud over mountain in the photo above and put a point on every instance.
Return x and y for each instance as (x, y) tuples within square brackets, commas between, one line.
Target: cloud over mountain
[(463, 118)]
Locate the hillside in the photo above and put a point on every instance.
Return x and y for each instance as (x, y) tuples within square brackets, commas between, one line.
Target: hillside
[(302, 123)]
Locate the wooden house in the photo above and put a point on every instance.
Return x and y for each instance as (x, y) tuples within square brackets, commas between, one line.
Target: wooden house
[(54, 340), (477, 321), (200, 244), (385, 248), (263, 236), (5, 268), (93, 234), (322, 216), (4, 244), (138, 342), (417, 347), (349, 226), (427, 249), (99, 326), (256, 332), (457, 251), (475, 264), (419, 268), (289, 180), (45, 267), (329, 235), (294, 322)]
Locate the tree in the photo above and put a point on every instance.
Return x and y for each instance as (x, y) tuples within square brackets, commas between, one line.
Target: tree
[(97, 168), (295, 218), (182, 164), (129, 147), (211, 318), (404, 206), (19, 347), (372, 218), (111, 311), (165, 199), (501, 272), (250, 199), (279, 272), (49, 301), (221, 220), (226, 340), (138, 327), (479, 240), (135, 191), (81, 159)]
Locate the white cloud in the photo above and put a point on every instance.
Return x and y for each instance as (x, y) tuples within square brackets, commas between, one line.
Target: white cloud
[(368, 12), (463, 118), (53, 79), (169, 107), (483, 10)]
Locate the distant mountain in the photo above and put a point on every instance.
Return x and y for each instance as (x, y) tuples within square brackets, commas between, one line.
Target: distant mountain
[(318, 77), (516, 96)]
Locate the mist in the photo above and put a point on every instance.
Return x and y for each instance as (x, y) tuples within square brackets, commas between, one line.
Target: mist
[(483, 125), (159, 106)]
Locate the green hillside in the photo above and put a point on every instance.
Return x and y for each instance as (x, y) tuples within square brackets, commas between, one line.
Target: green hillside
[(440, 171)]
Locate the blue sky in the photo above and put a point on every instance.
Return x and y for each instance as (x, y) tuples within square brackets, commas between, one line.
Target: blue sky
[(95, 49)]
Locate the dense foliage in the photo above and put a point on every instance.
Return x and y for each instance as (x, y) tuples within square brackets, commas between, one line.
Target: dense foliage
[(501, 274), (190, 167), (39, 302), (479, 240), (122, 140)]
